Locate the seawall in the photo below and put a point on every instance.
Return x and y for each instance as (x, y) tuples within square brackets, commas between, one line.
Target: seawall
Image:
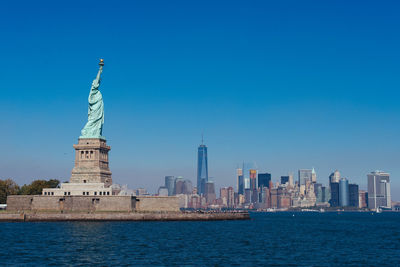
[(121, 216)]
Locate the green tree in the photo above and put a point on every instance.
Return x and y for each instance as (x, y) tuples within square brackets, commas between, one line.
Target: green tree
[(7, 187), (36, 187), (53, 183)]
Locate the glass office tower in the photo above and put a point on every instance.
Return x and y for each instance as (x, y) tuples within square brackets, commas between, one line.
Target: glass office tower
[(264, 179), (170, 184), (353, 195), (202, 169), (240, 181), (343, 192), (334, 188)]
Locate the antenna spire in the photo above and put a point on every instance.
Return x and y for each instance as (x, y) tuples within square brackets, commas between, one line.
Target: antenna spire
[(202, 138)]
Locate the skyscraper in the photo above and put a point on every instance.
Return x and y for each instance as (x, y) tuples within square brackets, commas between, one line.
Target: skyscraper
[(334, 188), (209, 192), (274, 198), (334, 180), (362, 199), (264, 179), (313, 175), (247, 196), (343, 192), (291, 179), (284, 179), (255, 195), (187, 187), (247, 168), (202, 168), (231, 197), (379, 190), (179, 185), (334, 177), (265, 197), (223, 194), (353, 195), (326, 194), (170, 184), (305, 175), (318, 192), (240, 181), (253, 179)]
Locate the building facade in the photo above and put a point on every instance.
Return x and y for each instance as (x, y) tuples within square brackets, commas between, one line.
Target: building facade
[(313, 176), (363, 199), (284, 179), (343, 192), (202, 168), (240, 181), (353, 195), (334, 177), (253, 179), (187, 187), (304, 176), (264, 179), (170, 184), (334, 202), (210, 192), (179, 185), (379, 190), (231, 198)]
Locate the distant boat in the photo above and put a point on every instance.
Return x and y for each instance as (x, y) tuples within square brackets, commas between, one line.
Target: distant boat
[(309, 210), (378, 210)]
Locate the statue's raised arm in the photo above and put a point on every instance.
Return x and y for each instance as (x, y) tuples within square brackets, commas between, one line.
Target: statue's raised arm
[(94, 126), (96, 82)]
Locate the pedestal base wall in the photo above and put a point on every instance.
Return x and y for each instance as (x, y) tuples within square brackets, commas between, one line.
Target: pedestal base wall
[(91, 203)]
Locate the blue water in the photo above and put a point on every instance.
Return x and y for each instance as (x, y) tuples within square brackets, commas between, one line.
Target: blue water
[(306, 239)]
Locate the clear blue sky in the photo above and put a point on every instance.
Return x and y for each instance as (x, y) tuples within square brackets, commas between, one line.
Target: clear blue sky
[(285, 84)]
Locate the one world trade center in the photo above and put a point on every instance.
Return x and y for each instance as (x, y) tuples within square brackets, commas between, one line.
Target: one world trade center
[(202, 168)]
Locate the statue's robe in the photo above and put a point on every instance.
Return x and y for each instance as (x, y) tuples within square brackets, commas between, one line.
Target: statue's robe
[(94, 126)]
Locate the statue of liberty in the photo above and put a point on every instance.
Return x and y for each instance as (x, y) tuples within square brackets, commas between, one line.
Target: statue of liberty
[(94, 126)]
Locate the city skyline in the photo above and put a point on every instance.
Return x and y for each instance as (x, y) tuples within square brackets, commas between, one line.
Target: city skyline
[(288, 90), (262, 194), (200, 133), (345, 194)]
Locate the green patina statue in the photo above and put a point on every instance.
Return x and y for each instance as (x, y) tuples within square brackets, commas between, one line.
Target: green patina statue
[(94, 126)]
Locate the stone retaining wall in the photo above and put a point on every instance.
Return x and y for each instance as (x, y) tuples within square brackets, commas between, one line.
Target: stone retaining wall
[(71, 203), (16, 203), (129, 216), (157, 203), (92, 203)]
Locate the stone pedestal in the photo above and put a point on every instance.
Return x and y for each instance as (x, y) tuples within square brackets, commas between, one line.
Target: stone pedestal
[(91, 162)]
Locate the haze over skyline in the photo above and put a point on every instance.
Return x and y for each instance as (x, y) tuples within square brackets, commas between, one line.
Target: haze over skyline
[(287, 85)]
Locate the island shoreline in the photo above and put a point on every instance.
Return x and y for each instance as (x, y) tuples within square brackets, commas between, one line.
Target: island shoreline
[(131, 216)]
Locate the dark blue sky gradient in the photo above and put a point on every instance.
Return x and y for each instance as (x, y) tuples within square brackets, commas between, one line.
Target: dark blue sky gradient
[(285, 84)]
